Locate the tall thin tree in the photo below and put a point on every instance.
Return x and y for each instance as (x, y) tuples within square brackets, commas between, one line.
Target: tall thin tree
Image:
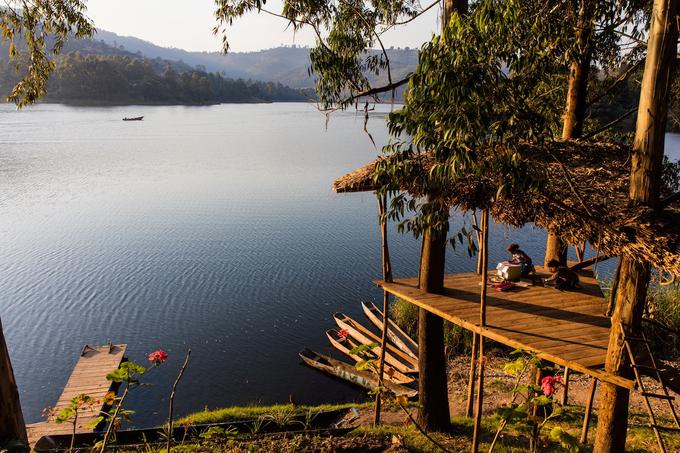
[(575, 109), (645, 185)]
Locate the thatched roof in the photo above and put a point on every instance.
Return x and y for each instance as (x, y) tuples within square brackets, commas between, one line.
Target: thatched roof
[(585, 198)]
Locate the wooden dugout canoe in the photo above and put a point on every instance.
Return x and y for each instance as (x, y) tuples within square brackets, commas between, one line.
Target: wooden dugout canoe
[(347, 372), (345, 345), (394, 356), (394, 333)]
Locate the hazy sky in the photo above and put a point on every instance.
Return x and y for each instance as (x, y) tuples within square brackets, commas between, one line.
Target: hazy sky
[(188, 25)]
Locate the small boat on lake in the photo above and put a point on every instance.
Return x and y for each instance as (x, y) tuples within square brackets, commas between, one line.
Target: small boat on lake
[(394, 356), (394, 333), (345, 344), (347, 372), (134, 118)]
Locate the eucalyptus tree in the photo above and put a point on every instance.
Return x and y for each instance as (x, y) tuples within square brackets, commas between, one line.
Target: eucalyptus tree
[(488, 79), (644, 190), (597, 31), (34, 29)]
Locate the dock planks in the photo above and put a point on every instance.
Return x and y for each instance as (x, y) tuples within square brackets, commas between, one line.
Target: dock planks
[(89, 377), (565, 327)]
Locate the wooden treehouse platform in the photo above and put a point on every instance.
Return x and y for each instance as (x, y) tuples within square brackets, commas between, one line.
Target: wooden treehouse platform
[(88, 377), (565, 327)]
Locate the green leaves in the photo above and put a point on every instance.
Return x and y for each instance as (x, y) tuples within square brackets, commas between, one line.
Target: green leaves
[(31, 24), (363, 348), (365, 365), (566, 440), (127, 372)]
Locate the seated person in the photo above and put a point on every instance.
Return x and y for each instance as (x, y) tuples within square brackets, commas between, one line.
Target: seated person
[(519, 257), (562, 277)]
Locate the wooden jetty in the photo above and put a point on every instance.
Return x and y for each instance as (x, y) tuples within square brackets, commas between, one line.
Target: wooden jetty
[(88, 377), (569, 328)]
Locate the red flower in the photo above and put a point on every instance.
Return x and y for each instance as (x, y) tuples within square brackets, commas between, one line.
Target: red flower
[(343, 333), (158, 357), (549, 384)]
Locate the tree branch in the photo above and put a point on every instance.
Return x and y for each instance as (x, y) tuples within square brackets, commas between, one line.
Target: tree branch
[(172, 397), (611, 124), (382, 89), (623, 77)]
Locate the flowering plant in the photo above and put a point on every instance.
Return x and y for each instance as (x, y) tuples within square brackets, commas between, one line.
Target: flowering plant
[(532, 406), (158, 357), (549, 384)]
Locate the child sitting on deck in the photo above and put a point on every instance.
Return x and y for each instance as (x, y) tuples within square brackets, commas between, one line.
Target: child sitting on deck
[(519, 257), (562, 277)]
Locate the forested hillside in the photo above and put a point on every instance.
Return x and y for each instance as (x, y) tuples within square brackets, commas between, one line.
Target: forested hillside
[(287, 65), (129, 79)]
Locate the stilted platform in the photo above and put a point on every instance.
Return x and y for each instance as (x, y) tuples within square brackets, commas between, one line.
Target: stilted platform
[(565, 327), (88, 377)]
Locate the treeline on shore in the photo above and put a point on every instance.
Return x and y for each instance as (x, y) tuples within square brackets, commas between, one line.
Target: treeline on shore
[(116, 79)]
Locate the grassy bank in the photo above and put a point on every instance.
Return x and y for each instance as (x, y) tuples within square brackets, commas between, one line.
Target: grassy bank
[(235, 413), (399, 437)]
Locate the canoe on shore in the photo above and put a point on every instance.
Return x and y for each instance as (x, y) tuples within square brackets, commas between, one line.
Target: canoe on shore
[(394, 333), (346, 344), (394, 356), (348, 373)]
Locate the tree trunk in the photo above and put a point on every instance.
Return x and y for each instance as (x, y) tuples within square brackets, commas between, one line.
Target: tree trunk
[(12, 427), (433, 392), (555, 249), (575, 108), (644, 189)]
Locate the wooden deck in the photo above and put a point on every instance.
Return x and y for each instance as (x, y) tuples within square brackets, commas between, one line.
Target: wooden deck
[(565, 327), (88, 377)]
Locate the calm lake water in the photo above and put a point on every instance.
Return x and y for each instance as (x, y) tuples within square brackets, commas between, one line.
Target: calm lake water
[(210, 228)]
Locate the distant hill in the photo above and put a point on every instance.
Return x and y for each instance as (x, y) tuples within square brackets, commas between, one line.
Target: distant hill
[(287, 65), (93, 72), (277, 74)]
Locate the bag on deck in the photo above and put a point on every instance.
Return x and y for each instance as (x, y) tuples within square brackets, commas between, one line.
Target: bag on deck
[(509, 271)]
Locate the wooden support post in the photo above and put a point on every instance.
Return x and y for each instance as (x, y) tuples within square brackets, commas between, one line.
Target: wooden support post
[(485, 259), (480, 397), (471, 380), (387, 275), (478, 235), (533, 447), (484, 250), (565, 391), (589, 408)]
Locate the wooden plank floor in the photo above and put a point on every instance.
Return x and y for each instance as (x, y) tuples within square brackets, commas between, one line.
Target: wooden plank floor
[(566, 327), (88, 377)]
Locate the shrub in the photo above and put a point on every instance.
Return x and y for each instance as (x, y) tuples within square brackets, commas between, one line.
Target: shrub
[(663, 307)]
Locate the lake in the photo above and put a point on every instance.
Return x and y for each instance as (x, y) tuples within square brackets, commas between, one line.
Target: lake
[(210, 228)]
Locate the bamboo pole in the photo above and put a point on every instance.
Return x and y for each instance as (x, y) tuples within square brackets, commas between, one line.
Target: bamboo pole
[(471, 380), (589, 408), (387, 276), (565, 392), (478, 235), (533, 445), (484, 250)]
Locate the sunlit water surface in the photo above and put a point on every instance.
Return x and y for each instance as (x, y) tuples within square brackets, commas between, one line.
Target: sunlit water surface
[(210, 228)]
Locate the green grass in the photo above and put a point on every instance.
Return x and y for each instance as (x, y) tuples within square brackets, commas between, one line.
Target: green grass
[(236, 413), (368, 438)]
